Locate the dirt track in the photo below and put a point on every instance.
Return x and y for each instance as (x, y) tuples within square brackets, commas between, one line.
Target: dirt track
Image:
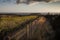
[(34, 31)]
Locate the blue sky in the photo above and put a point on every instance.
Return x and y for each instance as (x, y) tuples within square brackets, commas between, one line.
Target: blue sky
[(7, 1), (11, 6)]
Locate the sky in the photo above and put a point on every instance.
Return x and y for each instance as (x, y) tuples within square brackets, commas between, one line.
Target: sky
[(10, 6)]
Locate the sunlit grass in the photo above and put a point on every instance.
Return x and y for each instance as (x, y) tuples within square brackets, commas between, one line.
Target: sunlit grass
[(9, 22)]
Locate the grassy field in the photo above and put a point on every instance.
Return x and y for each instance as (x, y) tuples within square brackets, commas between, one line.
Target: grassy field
[(8, 22)]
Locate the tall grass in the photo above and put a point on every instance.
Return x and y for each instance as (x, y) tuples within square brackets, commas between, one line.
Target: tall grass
[(11, 21)]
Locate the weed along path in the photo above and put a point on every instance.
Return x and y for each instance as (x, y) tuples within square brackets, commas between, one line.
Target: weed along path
[(20, 29)]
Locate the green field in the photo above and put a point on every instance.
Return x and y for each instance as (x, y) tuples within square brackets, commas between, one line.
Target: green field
[(8, 22)]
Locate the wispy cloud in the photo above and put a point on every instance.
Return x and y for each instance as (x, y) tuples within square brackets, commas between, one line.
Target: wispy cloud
[(32, 7), (39, 7)]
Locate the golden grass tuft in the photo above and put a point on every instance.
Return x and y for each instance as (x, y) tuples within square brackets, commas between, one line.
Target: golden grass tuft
[(11, 21)]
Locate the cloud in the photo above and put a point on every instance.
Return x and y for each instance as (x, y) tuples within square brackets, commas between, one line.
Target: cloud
[(38, 7), (33, 7), (54, 0)]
